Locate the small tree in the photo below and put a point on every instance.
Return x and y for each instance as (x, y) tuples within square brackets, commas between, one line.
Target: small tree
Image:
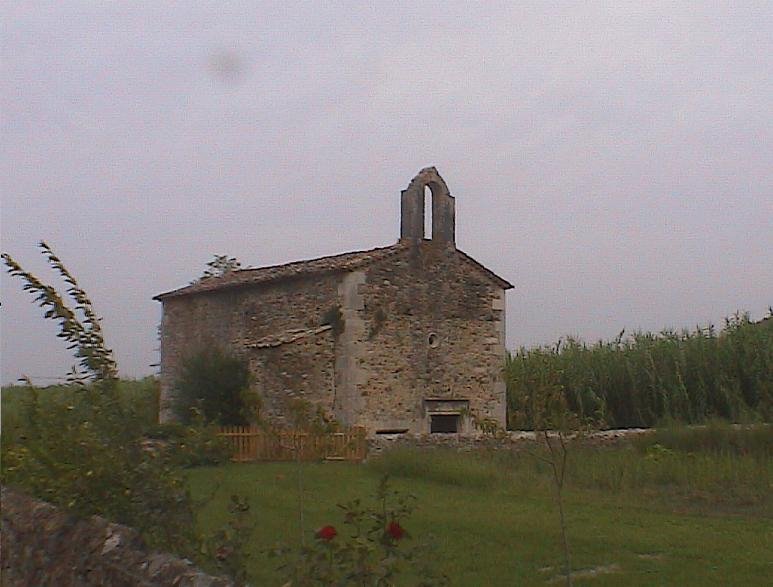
[(221, 265), (86, 452), (216, 385), (545, 408)]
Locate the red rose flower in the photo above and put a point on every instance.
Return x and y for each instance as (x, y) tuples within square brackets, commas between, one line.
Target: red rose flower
[(327, 533), (395, 530)]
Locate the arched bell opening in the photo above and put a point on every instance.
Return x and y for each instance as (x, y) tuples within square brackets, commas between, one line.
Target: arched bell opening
[(427, 210), (427, 213)]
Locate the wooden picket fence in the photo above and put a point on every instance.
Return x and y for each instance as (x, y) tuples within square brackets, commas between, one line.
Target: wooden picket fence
[(249, 444)]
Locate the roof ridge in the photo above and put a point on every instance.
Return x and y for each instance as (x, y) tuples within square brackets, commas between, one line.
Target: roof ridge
[(326, 264), (251, 275), (322, 258)]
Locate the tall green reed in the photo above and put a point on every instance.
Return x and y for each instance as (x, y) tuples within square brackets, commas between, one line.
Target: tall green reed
[(646, 378)]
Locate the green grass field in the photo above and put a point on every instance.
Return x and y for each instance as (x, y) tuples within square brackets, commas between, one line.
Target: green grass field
[(679, 506), (671, 519)]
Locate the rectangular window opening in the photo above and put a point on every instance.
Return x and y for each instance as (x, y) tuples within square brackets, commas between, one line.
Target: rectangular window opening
[(444, 423)]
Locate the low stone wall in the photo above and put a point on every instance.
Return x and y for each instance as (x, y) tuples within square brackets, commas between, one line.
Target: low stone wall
[(511, 440), (43, 545)]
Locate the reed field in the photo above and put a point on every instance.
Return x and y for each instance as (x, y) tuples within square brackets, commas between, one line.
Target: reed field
[(647, 379)]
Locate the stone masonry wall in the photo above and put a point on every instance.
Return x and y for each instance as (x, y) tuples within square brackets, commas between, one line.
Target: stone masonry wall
[(235, 318), (424, 324), (303, 369), (44, 546), (434, 328)]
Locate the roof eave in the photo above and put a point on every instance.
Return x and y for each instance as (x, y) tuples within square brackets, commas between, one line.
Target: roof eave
[(183, 291), (503, 283)]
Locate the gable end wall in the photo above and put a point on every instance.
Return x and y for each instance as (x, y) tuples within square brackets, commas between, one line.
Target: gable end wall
[(430, 291), (381, 368)]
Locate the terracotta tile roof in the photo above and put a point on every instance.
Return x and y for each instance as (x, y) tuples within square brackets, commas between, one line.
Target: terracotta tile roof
[(332, 263), (329, 264)]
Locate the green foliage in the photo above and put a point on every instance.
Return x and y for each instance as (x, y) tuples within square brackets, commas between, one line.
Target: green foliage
[(715, 438), (90, 456), (215, 385), (190, 445), (103, 453), (700, 481), (540, 401), (647, 378), (686, 468), (80, 328), (370, 547), (335, 318), (546, 408), (87, 447), (308, 417), (221, 265), (489, 427), (140, 396), (228, 546)]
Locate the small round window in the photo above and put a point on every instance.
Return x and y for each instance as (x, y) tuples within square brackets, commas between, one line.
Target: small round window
[(433, 340)]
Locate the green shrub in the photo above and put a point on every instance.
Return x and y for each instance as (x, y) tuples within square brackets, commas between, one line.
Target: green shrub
[(716, 437), (216, 386), (84, 446), (140, 396), (372, 546), (88, 454), (190, 445)]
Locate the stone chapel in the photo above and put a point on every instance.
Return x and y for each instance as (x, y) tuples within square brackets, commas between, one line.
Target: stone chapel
[(404, 338)]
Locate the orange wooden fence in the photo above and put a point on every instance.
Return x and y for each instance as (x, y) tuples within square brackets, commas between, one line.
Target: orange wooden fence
[(249, 444)]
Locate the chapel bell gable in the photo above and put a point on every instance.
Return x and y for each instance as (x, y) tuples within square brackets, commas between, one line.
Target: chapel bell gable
[(443, 210)]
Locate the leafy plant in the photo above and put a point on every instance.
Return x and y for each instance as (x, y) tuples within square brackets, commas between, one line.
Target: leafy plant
[(80, 327), (228, 546), (371, 547), (335, 319), (305, 418), (217, 386), (189, 445), (90, 456), (488, 427), (92, 452), (221, 265), (546, 407)]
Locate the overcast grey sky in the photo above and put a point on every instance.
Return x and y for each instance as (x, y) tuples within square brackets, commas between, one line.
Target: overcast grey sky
[(613, 160)]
